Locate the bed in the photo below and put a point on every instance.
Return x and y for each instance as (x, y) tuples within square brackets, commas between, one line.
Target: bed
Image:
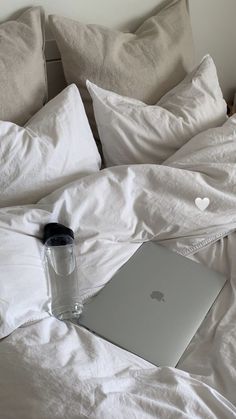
[(166, 142)]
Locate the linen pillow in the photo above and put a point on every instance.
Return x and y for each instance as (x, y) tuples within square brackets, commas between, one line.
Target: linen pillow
[(143, 65), (132, 132), (54, 148), (23, 82)]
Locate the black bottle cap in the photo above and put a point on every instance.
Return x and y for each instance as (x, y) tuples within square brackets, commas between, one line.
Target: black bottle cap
[(56, 229)]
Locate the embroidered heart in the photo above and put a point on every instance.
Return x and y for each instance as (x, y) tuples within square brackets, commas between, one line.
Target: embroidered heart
[(202, 203)]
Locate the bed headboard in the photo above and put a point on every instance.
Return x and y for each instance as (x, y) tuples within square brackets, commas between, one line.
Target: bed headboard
[(213, 28)]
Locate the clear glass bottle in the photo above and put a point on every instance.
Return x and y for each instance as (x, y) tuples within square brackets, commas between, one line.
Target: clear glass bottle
[(61, 269)]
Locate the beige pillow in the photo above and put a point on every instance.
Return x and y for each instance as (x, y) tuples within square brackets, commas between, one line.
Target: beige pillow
[(142, 65), (23, 82)]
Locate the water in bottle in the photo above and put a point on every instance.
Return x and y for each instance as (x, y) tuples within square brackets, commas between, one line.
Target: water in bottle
[(62, 273)]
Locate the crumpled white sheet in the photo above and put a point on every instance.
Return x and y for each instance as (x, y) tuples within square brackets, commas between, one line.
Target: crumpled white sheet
[(52, 369), (111, 213), (211, 355), (56, 370)]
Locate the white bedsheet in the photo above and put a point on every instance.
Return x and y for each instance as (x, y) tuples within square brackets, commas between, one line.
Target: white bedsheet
[(211, 355), (52, 369)]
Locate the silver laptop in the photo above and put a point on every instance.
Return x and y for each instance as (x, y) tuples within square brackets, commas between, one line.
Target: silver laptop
[(154, 304)]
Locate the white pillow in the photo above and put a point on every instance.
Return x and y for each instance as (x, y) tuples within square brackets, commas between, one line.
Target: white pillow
[(132, 132), (54, 148)]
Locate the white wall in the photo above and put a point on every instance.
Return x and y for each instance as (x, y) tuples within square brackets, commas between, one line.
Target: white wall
[(122, 14), (213, 24)]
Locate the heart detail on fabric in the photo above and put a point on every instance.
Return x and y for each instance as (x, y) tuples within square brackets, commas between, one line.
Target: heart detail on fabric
[(202, 203)]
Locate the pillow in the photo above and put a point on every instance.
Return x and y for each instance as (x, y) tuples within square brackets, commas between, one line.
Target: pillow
[(54, 148), (132, 132), (23, 82), (143, 65)]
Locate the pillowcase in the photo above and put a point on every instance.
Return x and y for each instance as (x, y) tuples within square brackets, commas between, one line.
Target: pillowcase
[(23, 81), (54, 148), (132, 132), (143, 65)]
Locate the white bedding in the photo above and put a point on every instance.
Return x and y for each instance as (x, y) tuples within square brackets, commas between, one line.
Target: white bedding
[(52, 369)]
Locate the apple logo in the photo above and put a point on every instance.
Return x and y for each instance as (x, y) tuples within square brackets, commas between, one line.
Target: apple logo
[(157, 295)]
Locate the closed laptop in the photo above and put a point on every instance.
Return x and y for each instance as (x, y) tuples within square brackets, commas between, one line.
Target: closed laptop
[(154, 304)]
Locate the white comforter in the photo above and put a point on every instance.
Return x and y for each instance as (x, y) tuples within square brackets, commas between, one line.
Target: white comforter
[(52, 369)]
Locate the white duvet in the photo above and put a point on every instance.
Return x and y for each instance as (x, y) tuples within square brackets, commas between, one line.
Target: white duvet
[(52, 369)]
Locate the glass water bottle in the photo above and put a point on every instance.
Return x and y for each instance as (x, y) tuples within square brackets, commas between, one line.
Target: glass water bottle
[(62, 274)]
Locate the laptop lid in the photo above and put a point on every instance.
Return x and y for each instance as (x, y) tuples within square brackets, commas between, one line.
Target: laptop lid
[(154, 304)]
